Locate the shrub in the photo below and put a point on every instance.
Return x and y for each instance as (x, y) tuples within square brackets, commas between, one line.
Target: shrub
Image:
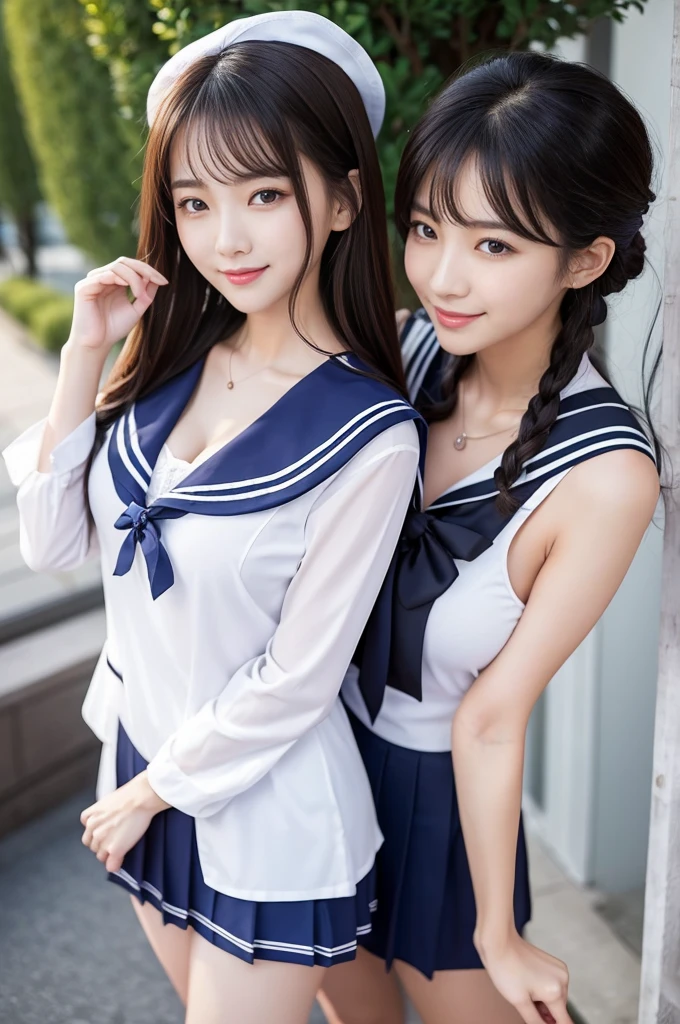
[(46, 312)]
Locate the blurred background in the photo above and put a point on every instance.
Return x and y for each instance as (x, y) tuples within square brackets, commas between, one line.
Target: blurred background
[(73, 81)]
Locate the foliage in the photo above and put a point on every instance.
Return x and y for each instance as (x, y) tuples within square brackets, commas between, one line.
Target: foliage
[(416, 45), (73, 125), (46, 312), (19, 189)]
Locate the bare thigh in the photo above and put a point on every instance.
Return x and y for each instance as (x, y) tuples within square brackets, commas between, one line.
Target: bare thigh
[(456, 997), (171, 945), (226, 990), (361, 992)]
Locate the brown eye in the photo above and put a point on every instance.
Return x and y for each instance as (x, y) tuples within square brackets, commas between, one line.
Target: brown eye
[(266, 197), (494, 247)]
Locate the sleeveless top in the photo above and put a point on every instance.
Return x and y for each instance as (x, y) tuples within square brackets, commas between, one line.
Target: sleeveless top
[(472, 620)]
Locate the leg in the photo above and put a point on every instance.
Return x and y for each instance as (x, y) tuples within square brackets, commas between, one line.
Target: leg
[(226, 990), (170, 944), (361, 992), (456, 997)]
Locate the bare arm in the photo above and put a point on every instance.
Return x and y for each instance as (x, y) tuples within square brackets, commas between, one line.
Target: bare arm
[(602, 509), (102, 315)]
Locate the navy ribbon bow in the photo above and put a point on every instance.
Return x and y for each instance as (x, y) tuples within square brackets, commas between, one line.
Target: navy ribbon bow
[(141, 522), (422, 569)]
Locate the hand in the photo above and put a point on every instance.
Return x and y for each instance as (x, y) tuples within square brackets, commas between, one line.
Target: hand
[(401, 316), (102, 311), (115, 823), (533, 981)]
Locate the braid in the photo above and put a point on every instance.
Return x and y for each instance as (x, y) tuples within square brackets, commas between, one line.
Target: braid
[(573, 340)]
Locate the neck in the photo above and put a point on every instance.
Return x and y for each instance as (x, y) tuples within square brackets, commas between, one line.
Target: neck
[(507, 374), (269, 337)]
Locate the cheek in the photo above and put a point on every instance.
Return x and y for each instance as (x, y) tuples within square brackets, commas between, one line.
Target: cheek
[(195, 240), (419, 261)]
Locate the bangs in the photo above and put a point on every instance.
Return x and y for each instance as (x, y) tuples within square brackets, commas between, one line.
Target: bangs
[(509, 195), (230, 133), (495, 148)]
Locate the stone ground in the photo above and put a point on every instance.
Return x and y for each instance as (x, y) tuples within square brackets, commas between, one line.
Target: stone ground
[(71, 951)]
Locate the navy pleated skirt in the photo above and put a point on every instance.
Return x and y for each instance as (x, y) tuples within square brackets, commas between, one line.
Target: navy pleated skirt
[(426, 907), (163, 869)]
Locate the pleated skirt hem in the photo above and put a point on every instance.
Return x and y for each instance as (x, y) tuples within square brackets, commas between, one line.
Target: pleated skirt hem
[(426, 912), (164, 869)]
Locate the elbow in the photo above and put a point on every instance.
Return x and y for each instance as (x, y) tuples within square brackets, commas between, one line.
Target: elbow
[(51, 557), (487, 725)]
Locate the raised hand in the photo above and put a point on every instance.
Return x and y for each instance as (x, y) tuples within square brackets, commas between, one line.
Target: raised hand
[(102, 312)]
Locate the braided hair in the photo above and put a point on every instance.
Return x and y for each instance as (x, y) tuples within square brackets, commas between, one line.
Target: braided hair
[(564, 158)]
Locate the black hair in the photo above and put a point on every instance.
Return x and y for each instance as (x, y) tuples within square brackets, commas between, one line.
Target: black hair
[(564, 158)]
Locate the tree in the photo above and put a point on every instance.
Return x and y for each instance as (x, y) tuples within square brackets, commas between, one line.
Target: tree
[(19, 189), (73, 126), (416, 45)]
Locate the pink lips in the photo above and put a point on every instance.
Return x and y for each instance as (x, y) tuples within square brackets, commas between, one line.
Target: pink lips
[(448, 318), (245, 276)]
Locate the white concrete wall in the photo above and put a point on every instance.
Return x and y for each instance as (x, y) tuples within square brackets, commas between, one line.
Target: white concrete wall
[(641, 63), (599, 709)]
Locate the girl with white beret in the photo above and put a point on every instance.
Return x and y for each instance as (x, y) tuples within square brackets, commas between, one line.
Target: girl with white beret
[(243, 475)]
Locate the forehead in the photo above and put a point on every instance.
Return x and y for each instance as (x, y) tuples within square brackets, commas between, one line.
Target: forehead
[(467, 191)]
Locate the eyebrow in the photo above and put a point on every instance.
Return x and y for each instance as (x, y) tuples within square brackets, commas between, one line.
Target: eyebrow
[(489, 224), (188, 183), (197, 183)]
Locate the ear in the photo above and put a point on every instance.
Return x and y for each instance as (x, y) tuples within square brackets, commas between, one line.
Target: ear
[(345, 212), (589, 264)]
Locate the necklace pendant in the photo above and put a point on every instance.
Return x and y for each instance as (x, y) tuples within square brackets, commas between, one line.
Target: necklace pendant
[(460, 442), (230, 385)]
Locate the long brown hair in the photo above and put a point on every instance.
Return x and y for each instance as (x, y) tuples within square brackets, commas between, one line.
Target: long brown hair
[(256, 108)]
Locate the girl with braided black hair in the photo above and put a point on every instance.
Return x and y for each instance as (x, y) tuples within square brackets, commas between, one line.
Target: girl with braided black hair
[(521, 196)]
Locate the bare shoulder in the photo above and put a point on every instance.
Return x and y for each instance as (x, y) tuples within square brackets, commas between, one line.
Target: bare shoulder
[(615, 487)]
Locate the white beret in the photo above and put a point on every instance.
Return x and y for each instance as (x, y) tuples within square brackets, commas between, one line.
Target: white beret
[(300, 27)]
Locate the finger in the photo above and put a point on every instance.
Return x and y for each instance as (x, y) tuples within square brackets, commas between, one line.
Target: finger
[(141, 304), (102, 855), (557, 1009), (528, 1012), (134, 281), (114, 862), (84, 815), (143, 269)]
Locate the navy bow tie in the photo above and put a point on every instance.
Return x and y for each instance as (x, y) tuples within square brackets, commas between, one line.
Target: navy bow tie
[(421, 570), (141, 522)]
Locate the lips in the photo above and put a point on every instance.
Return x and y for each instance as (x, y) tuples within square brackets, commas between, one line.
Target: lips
[(244, 275), (451, 318)]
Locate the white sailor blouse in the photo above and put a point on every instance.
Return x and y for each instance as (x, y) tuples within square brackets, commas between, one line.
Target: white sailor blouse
[(235, 596), (447, 606)]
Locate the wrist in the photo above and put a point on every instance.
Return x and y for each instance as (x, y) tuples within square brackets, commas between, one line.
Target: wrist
[(146, 797), (491, 940), (79, 349)]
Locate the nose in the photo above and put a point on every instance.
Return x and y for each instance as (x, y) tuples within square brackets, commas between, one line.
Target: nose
[(232, 238), (450, 279)]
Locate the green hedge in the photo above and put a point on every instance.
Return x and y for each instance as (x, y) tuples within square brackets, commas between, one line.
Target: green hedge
[(46, 312), (76, 133)]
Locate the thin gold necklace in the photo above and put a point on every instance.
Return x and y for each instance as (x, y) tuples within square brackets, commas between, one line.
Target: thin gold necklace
[(461, 441), (230, 380)]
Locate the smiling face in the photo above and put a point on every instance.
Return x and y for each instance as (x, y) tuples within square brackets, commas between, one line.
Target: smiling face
[(246, 234), (481, 283)]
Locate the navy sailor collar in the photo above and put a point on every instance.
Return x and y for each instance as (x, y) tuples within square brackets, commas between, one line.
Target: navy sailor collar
[(464, 522), (305, 437)]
